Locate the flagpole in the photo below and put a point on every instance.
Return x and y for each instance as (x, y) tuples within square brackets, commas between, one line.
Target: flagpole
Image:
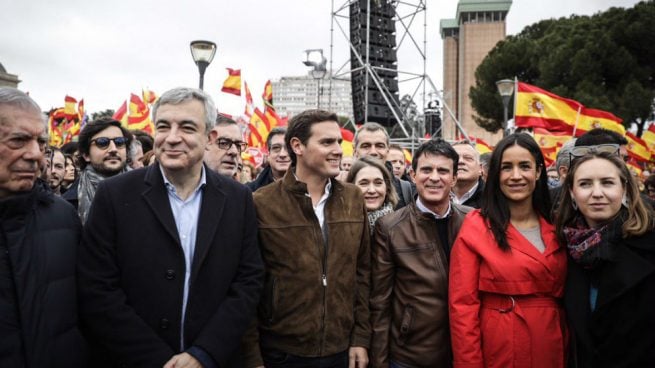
[(516, 94), (577, 118)]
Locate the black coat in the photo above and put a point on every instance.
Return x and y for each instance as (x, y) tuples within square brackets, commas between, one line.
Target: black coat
[(132, 269), (263, 179), (620, 332), (39, 236)]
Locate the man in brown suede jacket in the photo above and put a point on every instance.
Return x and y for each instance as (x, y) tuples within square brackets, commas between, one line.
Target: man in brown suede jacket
[(409, 268), (313, 234)]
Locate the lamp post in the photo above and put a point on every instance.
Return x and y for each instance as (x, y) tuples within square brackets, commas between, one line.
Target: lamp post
[(506, 89), (315, 59), (203, 53)]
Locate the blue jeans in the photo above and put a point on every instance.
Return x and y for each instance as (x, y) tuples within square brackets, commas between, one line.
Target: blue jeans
[(274, 358)]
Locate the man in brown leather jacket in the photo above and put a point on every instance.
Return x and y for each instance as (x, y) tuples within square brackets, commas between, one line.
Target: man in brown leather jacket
[(409, 269), (313, 234)]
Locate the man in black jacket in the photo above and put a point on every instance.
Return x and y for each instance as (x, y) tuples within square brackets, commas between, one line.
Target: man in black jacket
[(39, 234), (468, 189), (278, 160)]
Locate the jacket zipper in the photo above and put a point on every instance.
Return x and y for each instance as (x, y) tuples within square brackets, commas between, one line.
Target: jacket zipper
[(323, 260)]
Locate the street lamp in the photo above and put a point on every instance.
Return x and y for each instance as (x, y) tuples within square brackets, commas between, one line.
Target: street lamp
[(506, 89), (315, 59), (203, 53)]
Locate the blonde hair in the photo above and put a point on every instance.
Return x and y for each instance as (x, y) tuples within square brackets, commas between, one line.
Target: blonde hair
[(640, 219)]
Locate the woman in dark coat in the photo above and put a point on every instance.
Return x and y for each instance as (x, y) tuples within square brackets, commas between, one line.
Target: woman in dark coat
[(610, 287)]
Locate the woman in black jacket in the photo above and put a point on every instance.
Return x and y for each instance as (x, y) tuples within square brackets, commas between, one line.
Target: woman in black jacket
[(610, 287)]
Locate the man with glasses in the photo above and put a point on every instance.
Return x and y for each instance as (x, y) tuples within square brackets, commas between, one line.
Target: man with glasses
[(39, 235), (103, 153), (222, 154), (169, 269), (278, 160)]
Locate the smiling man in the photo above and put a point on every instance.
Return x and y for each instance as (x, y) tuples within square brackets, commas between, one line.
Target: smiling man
[(103, 153), (183, 294), (278, 159), (222, 153), (409, 270), (313, 232)]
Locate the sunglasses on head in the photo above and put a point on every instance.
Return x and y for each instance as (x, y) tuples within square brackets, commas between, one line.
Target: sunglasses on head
[(580, 151), (103, 142)]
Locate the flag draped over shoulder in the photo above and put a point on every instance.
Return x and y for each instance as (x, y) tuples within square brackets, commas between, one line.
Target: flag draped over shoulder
[(232, 83), (538, 108), (592, 118)]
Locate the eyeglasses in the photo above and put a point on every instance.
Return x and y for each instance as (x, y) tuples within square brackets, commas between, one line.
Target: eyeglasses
[(103, 142), (599, 148), (277, 148), (225, 144)]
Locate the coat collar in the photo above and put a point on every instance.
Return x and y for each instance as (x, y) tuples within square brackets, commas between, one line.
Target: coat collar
[(211, 210)]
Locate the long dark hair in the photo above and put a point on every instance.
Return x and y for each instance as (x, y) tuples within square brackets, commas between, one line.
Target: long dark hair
[(495, 207)]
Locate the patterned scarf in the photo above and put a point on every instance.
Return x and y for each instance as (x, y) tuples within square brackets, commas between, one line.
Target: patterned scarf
[(588, 246), (373, 216)]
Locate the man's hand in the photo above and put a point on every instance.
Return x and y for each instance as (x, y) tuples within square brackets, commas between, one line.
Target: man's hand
[(183, 360), (357, 357)]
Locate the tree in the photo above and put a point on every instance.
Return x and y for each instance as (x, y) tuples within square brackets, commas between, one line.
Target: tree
[(102, 114), (605, 61)]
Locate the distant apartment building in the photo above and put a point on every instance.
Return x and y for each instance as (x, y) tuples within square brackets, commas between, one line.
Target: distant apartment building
[(292, 95), (467, 39)]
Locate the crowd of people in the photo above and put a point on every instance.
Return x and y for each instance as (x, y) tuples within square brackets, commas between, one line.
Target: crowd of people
[(126, 250)]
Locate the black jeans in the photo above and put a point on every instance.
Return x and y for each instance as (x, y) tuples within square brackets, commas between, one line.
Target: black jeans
[(278, 359)]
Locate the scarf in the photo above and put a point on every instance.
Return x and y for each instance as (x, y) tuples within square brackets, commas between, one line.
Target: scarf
[(373, 216), (86, 190), (588, 246)]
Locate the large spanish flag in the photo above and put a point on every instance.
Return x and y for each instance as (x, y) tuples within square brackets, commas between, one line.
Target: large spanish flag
[(592, 118), (637, 148), (538, 108), (232, 83)]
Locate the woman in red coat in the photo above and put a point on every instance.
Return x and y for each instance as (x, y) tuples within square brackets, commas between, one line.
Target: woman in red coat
[(507, 269)]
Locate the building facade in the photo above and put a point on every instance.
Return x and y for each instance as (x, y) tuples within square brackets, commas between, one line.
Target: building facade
[(292, 95), (8, 80), (467, 39)]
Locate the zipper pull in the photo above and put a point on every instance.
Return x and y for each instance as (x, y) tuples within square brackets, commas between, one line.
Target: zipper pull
[(324, 280)]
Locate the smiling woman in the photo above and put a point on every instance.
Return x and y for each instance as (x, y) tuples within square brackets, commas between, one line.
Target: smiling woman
[(373, 178), (507, 269)]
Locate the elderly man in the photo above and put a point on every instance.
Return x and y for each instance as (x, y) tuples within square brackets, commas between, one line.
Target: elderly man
[(469, 187), (223, 154), (373, 140), (39, 234), (183, 295)]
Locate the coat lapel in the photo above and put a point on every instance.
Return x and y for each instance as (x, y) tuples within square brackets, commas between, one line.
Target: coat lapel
[(157, 198), (211, 211)]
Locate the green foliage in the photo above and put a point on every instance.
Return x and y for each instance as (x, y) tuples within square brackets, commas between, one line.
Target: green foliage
[(102, 114), (606, 61)]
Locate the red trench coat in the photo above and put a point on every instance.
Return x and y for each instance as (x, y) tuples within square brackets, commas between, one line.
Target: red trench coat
[(505, 307)]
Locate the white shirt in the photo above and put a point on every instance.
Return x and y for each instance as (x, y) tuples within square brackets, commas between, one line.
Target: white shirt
[(424, 209)]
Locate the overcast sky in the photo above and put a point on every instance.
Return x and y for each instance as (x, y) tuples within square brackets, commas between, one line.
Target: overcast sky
[(103, 50)]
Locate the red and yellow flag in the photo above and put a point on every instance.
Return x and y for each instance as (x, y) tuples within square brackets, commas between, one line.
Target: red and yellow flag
[(538, 108), (249, 104), (649, 137), (268, 94), (347, 138), (149, 96), (481, 146), (70, 107), (637, 148), (634, 167), (592, 118), (232, 83), (259, 129), (408, 156), (550, 143), (121, 114), (139, 116)]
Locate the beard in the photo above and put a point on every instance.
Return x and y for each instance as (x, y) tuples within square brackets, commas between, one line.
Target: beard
[(105, 171)]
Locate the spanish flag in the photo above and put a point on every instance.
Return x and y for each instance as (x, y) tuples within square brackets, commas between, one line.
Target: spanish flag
[(268, 94), (271, 117), (637, 148), (649, 137), (538, 108), (139, 117), (481, 146), (55, 127), (249, 104), (121, 114), (550, 143), (634, 166), (232, 83), (592, 118), (70, 108), (149, 96), (408, 156), (347, 138), (259, 129)]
